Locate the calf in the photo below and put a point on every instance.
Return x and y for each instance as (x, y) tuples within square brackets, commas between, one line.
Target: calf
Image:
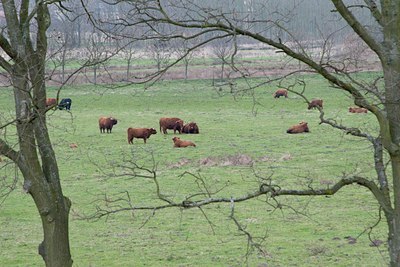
[(281, 92), (65, 103), (107, 123), (357, 110), (182, 143), (190, 128), (302, 127), (171, 123), (315, 103), (143, 133)]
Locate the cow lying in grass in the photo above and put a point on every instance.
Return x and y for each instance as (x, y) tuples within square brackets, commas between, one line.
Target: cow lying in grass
[(357, 110), (302, 127), (182, 143), (190, 128), (143, 133)]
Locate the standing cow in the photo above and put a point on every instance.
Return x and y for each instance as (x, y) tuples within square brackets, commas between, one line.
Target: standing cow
[(175, 124), (65, 103), (315, 103), (106, 123), (143, 133), (281, 92), (190, 128)]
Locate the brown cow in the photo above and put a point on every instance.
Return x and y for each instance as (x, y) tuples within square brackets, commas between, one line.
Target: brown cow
[(106, 123), (190, 128), (315, 103), (182, 143), (299, 128), (51, 102), (281, 92), (143, 133), (171, 123), (357, 110)]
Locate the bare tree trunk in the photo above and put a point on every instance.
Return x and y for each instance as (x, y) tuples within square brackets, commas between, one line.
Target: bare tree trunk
[(35, 158)]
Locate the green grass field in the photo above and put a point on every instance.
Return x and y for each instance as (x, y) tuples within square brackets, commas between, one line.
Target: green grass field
[(307, 231)]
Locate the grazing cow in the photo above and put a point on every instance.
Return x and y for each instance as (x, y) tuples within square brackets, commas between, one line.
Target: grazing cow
[(51, 102), (65, 103), (281, 92), (357, 110), (143, 133), (171, 123), (106, 123), (298, 128), (190, 128), (182, 143), (315, 103)]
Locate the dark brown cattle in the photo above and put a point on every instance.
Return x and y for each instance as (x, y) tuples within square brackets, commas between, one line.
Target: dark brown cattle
[(298, 128), (190, 128), (281, 92), (51, 102), (357, 110), (182, 143), (106, 123), (143, 133), (171, 123), (315, 103)]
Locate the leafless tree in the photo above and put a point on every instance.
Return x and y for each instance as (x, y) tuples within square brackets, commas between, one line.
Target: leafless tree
[(271, 24), (24, 41)]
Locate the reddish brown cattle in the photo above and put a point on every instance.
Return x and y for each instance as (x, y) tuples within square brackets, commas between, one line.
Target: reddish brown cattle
[(106, 123), (143, 133), (51, 102), (190, 128), (281, 92), (298, 128), (315, 103), (171, 123), (73, 145), (357, 110), (182, 143)]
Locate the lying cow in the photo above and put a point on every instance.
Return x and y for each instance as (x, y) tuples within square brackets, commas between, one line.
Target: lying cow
[(299, 128), (51, 102), (315, 103), (143, 133), (106, 123), (190, 128), (182, 143), (65, 103), (175, 124), (357, 110), (281, 92)]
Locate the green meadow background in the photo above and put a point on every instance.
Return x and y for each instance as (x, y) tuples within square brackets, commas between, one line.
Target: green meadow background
[(304, 231)]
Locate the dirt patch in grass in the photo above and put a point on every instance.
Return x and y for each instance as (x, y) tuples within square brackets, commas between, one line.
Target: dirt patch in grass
[(230, 160)]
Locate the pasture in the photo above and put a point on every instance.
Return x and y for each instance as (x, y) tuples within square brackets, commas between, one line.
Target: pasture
[(242, 140)]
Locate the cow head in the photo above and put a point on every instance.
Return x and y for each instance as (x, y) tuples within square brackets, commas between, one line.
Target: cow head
[(113, 121), (152, 131)]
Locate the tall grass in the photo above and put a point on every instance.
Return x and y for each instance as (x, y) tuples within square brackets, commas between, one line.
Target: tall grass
[(302, 231)]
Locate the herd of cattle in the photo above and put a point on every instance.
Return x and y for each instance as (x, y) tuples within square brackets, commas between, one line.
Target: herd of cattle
[(302, 127), (106, 123)]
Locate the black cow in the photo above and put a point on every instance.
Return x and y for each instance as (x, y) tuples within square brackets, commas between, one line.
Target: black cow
[(65, 103)]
